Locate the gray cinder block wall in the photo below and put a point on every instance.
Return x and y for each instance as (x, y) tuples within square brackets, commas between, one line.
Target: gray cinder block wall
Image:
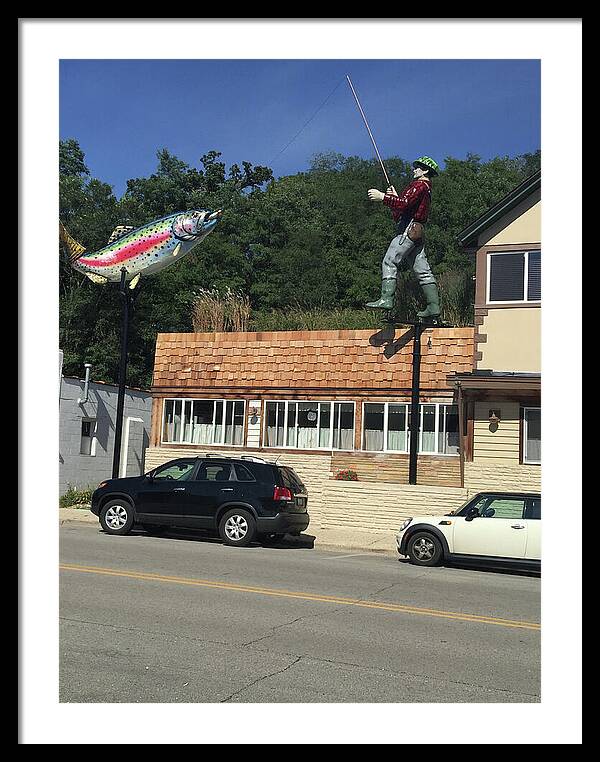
[(82, 471)]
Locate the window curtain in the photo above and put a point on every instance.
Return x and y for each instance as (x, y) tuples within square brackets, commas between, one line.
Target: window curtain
[(397, 418), (448, 430), (397, 441), (373, 440), (343, 439), (202, 423), (325, 424), (308, 420), (238, 434), (177, 424), (167, 433), (275, 423), (202, 433), (428, 434), (308, 437), (373, 423), (228, 423)]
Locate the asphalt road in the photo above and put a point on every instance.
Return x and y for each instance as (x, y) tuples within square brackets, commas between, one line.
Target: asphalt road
[(183, 618)]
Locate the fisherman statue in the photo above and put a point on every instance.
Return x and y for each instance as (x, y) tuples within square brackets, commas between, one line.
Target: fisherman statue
[(410, 210)]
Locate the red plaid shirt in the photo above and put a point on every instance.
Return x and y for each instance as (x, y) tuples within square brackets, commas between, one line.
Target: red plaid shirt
[(413, 202)]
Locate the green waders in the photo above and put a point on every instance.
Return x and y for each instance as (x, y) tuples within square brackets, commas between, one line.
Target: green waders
[(386, 301)]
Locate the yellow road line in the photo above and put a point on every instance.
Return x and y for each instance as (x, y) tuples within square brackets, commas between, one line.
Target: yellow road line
[(395, 607)]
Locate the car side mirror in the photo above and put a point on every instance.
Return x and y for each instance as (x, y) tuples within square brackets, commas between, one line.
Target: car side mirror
[(472, 513)]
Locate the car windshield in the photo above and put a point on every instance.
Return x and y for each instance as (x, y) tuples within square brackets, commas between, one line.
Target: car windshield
[(456, 511)]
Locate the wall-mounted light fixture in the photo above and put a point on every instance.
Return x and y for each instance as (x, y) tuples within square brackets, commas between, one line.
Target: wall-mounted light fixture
[(494, 418)]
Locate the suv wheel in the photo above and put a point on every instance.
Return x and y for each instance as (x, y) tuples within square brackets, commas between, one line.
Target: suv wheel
[(237, 527), (116, 517), (424, 549)]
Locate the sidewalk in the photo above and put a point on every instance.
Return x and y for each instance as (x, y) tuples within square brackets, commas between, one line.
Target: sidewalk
[(338, 538)]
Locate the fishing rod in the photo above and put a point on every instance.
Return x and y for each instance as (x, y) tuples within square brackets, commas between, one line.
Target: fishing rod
[(368, 129)]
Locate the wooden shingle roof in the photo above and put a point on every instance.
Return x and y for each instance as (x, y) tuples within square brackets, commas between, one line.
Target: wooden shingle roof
[(295, 360)]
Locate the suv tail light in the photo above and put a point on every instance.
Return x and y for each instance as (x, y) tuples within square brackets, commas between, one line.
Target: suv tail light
[(283, 494)]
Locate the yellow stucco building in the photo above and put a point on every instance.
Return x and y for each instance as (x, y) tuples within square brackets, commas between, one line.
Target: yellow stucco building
[(500, 399)]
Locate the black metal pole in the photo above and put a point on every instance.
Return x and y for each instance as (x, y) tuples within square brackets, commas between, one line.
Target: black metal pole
[(461, 434), (414, 406), (122, 375)]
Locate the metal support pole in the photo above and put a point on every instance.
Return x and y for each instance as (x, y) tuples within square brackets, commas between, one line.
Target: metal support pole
[(122, 375), (461, 433), (414, 406)]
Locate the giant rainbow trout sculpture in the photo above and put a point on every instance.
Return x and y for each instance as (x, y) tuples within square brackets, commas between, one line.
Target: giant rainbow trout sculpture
[(144, 250)]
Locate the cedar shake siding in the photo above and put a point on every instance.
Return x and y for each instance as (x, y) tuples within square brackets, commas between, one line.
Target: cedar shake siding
[(355, 367), (322, 363)]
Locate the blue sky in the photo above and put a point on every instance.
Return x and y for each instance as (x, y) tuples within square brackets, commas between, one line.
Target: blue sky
[(122, 111)]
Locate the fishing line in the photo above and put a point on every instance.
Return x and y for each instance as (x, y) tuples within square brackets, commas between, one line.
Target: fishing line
[(305, 124)]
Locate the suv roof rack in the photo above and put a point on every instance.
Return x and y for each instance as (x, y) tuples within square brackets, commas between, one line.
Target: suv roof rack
[(253, 458)]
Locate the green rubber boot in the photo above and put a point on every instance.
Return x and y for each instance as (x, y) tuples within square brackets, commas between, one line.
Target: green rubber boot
[(386, 301), (433, 301)]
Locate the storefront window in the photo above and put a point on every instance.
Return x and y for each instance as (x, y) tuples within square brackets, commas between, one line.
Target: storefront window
[(389, 423), (204, 421), (373, 427), (397, 430), (310, 425)]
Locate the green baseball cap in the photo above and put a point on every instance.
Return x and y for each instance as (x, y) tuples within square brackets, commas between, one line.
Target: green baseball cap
[(427, 163)]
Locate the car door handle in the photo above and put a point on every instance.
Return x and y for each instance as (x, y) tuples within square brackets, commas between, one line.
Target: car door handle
[(517, 526), (226, 489), (178, 489)]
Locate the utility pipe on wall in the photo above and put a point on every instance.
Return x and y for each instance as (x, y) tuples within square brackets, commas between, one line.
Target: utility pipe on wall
[(86, 384)]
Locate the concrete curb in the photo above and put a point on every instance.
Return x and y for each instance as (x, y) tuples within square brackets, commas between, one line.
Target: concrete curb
[(331, 538), (82, 515)]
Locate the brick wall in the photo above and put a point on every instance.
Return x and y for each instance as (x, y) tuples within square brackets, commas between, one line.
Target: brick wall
[(383, 506), (361, 505), (481, 475)]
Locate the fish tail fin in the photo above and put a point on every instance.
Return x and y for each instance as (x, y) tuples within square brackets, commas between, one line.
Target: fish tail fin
[(74, 248)]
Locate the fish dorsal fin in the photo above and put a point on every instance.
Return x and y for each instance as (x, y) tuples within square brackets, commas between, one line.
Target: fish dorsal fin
[(119, 232), (74, 248)]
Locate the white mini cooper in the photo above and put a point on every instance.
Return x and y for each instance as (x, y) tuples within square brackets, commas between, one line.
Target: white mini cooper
[(494, 528)]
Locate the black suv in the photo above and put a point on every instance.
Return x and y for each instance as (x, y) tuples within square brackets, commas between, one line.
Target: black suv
[(241, 498)]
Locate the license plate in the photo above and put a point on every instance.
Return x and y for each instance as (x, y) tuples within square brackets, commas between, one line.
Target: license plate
[(301, 502)]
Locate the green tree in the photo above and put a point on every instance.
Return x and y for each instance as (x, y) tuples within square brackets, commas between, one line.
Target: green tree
[(310, 241)]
